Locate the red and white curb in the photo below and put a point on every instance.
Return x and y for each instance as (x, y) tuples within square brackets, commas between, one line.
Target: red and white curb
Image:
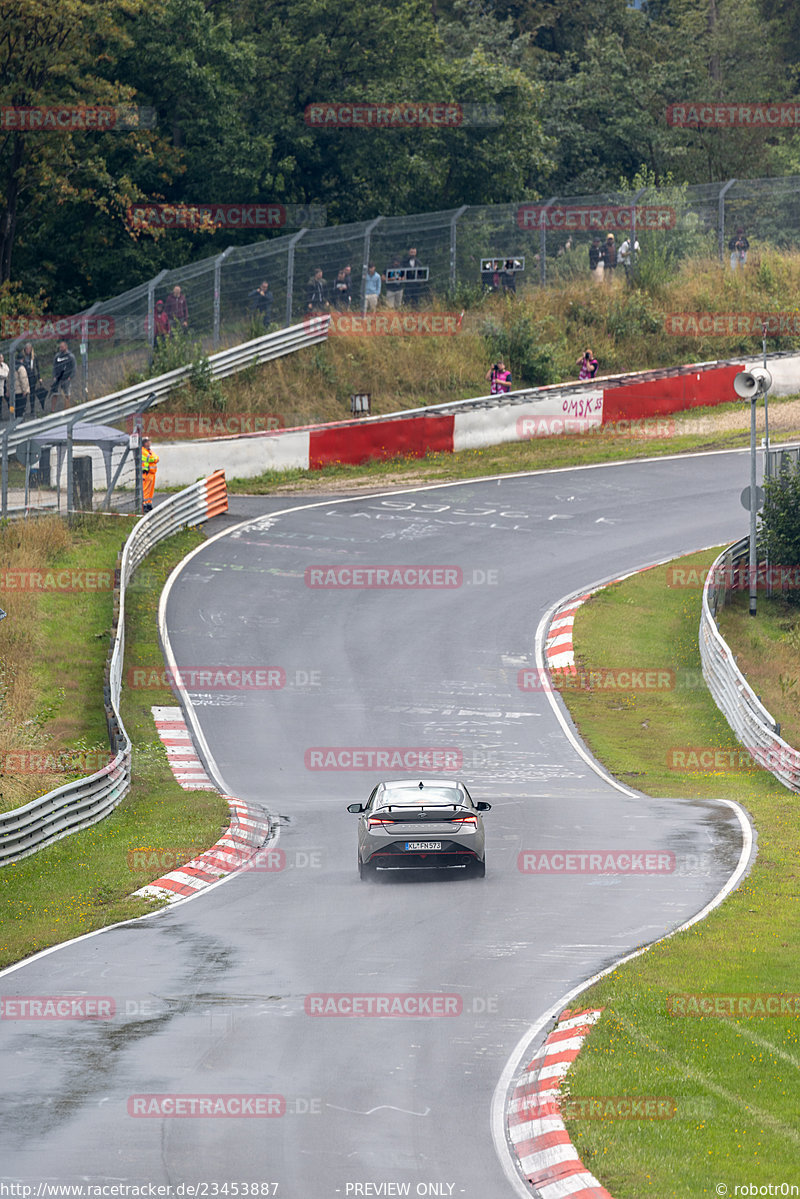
[(547, 1157), (559, 652), (247, 832)]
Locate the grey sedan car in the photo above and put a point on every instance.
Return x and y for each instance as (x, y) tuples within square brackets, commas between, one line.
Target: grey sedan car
[(431, 824)]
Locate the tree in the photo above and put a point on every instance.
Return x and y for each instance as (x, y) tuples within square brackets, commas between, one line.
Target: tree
[(779, 523), (54, 55)]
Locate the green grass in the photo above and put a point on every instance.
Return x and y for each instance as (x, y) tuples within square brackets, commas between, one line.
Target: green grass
[(85, 881), (734, 1080), (773, 637)]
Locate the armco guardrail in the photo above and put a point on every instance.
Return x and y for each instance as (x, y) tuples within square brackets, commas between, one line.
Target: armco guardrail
[(120, 404), (76, 805), (754, 726)]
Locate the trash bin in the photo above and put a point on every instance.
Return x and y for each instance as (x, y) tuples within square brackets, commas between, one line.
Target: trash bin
[(82, 483)]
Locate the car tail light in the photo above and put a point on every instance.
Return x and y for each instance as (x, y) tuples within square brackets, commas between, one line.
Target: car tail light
[(376, 822), (472, 821)]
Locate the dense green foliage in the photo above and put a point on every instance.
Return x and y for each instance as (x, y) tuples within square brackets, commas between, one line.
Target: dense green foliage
[(583, 90)]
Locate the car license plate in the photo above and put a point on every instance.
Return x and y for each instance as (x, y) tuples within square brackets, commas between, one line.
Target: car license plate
[(423, 845)]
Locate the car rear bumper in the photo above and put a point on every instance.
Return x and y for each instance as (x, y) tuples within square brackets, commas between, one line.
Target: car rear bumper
[(437, 859)]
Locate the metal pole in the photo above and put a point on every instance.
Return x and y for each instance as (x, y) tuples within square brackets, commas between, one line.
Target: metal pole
[(453, 220), (766, 406), (136, 446), (290, 274), (84, 349), (5, 472), (640, 192), (753, 505), (543, 241), (365, 263), (721, 224), (70, 480), (218, 261)]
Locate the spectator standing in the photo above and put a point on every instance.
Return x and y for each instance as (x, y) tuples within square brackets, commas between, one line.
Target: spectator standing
[(609, 258), (413, 289), (738, 246), (341, 291), (177, 310), (596, 260), (4, 393), (394, 290), (500, 378), (149, 468), (372, 289), (317, 293), (588, 365), (31, 364), (64, 367), (161, 326), (260, 303), (508, 278), (22, 388), (624, 256)]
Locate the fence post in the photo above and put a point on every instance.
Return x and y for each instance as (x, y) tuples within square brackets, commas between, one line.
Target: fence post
[(218, 261), (84, 349), (365, 263), (151, 315), (640, 192), (5, 471), (453, 220), (721, 228), (70, 481), (290, 274), (543, 241)]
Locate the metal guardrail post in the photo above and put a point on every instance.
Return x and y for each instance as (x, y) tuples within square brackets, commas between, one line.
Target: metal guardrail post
[(365, 263), (453, 221), (218, 261), (543, 241), (290, 273), (721, 218), (70, 480)]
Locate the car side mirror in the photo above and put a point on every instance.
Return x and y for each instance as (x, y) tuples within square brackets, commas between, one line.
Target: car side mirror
[(483, 807), (355, 807)]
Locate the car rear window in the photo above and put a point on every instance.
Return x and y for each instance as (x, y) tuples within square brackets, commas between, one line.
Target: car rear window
[(414, 797)]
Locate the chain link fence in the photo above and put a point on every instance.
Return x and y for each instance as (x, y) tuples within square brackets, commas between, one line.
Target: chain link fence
[(116, 341)]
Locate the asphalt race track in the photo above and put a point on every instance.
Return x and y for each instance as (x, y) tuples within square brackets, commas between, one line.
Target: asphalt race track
[(212, 996)]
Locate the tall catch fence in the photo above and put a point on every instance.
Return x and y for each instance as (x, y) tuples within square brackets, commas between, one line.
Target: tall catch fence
[(115, 340)]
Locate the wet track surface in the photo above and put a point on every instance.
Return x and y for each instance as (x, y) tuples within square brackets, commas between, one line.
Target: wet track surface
[(212, 997)]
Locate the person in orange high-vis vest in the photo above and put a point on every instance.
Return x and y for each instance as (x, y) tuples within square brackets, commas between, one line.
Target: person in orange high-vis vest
[(149, 465)]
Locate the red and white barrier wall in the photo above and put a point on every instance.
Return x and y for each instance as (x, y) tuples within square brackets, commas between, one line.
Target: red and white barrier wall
[(542, 411)]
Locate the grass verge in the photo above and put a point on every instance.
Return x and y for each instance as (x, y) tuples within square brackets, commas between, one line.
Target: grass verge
[(85, 881), (768, 654), (733, 1079)]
